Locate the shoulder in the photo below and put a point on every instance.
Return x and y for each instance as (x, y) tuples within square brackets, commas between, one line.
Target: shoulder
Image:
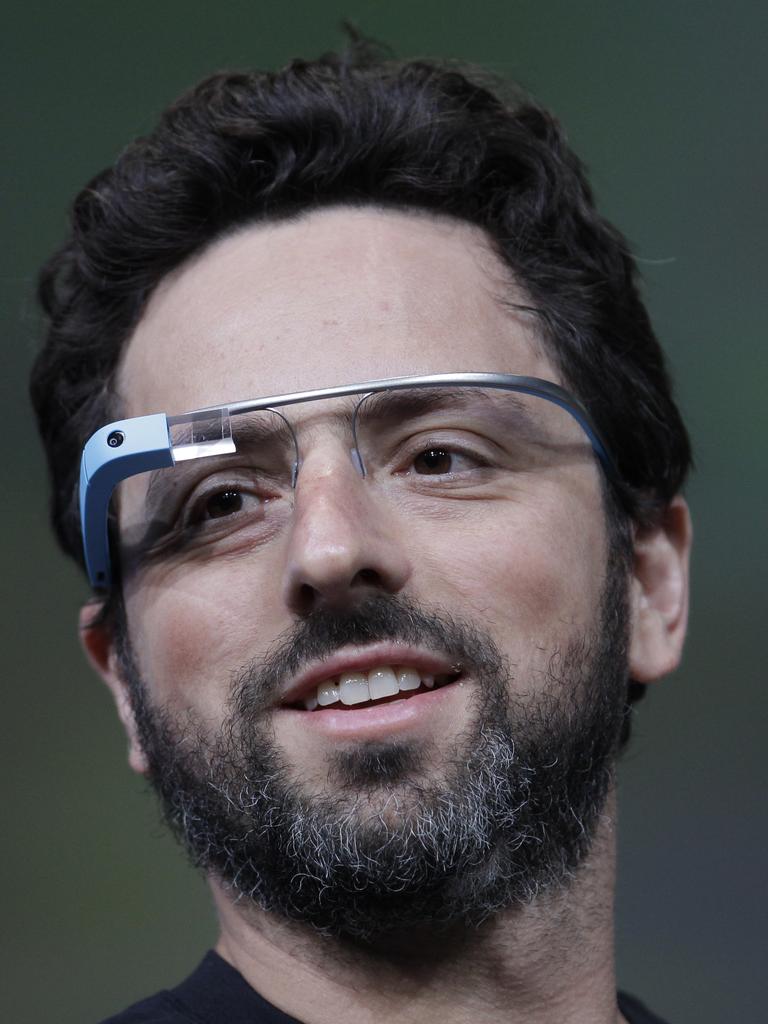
[(636, 1012), (161, 1008), (214, 992)]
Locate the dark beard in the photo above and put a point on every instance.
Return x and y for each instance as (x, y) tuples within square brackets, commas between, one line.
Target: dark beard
[(512, 816)]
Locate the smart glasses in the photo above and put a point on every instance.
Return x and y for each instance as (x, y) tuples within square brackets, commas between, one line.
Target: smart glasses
[(222, 477)]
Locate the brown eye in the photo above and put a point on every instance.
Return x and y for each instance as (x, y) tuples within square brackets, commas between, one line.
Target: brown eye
[(434, 460), (224, 503)]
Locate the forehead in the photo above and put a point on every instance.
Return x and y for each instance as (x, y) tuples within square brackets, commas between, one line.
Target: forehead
[(336, 297)]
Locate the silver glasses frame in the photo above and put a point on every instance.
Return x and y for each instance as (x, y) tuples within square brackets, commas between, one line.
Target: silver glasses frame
[(127, 447)]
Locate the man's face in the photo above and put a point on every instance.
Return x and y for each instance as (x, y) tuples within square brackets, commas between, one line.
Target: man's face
[(509, 593)]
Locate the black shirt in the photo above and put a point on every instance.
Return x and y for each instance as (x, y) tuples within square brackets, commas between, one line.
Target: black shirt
[(218, 994)]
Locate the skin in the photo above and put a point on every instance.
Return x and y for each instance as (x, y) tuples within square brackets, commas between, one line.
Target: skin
[(383, 294)]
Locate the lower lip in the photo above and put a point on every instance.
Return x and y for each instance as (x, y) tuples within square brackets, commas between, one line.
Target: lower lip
[(377, 720)]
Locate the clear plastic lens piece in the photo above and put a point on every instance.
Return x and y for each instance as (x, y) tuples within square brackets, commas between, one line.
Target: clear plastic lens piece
[(201, 435)]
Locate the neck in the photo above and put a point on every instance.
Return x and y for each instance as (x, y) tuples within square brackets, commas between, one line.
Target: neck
[(548, 962)]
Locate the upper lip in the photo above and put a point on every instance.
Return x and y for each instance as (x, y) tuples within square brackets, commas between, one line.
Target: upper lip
[(363, 659)]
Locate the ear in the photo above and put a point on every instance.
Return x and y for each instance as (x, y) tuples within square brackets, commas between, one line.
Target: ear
[(98, 642), (659, 594)]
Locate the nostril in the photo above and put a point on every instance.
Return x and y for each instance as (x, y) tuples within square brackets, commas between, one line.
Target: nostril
[(306, 599), (369, 577)]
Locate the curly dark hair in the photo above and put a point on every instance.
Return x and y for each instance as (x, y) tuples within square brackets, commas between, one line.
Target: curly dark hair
[(357, 128)]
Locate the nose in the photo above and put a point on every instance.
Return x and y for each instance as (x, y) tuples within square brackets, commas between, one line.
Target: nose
[(345, 541)]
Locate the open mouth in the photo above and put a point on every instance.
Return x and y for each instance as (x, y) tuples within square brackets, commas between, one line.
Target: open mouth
[(380, 685)]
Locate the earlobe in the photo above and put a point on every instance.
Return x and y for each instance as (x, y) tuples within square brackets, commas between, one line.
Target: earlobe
[(97, 640), (659, 594)]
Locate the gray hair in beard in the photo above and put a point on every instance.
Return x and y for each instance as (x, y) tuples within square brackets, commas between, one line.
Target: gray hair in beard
[(512, 816)]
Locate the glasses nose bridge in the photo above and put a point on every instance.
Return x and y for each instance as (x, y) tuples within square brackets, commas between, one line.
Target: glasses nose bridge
[(320, 427)]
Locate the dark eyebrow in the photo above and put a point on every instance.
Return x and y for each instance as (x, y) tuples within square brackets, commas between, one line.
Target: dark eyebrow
[(259, 429), (385, 406)]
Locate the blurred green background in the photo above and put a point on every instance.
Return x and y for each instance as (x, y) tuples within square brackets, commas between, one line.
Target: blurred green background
[(666, 102)]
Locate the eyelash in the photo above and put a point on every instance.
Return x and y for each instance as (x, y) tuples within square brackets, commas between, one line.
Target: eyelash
[(451, 447), (193, 511)]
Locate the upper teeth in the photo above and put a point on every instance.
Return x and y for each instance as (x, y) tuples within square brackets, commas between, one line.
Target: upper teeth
[(357, 687)]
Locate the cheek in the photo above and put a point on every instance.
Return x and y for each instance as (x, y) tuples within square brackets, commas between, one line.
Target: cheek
[(530, 578), (190, 643)]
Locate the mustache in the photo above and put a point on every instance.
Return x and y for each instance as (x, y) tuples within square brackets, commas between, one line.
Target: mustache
[(376, 618)]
